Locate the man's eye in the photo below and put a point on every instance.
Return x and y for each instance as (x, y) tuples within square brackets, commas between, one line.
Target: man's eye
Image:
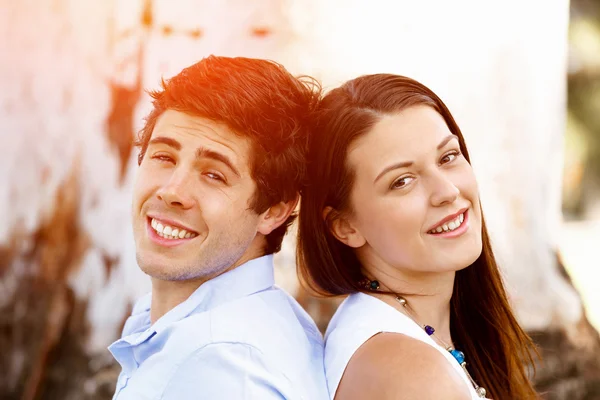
[(163, 158), (214, 176)]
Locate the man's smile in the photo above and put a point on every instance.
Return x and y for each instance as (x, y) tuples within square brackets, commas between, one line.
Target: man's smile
[(168, 233)]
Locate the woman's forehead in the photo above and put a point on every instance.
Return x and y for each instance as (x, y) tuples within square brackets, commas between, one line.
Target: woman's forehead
[(406, 136)]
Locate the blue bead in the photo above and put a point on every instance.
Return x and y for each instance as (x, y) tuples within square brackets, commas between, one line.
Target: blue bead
[(429, 330), (458, 355)]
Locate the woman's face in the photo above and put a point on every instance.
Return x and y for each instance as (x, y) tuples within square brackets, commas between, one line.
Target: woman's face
[(415, 203)]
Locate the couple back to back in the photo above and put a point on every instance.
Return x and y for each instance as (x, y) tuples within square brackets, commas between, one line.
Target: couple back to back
[(389, 215)]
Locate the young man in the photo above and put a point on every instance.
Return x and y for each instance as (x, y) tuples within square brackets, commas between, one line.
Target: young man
[(221, 163)]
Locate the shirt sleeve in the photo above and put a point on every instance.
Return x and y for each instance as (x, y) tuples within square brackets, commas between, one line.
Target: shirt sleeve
[(227, 371)]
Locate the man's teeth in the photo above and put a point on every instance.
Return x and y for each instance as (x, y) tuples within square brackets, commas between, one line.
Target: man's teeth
[(169, 232), (450, 226)]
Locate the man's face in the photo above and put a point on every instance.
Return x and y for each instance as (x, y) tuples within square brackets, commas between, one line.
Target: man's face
[(191, 214)]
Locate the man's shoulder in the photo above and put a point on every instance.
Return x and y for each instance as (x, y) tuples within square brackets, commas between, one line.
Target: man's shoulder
[(261, 332), (262, 319), (269, 320), (268, 307)]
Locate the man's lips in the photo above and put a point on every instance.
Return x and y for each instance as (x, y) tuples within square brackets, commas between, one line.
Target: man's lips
[(165, 221), (169, 231), (170, 238)]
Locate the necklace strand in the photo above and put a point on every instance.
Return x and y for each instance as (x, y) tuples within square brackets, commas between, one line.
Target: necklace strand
[(457, 354)]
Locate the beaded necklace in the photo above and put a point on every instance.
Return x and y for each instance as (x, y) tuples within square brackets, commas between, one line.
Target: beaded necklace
[(458, 355)]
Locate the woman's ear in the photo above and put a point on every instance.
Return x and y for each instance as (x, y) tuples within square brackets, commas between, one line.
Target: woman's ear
[(342, 228)]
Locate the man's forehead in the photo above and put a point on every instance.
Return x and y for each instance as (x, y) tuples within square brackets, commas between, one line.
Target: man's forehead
[(201, 137), (199, 129), (180, 120)]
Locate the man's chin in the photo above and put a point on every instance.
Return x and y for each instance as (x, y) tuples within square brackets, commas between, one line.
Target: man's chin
[(165, 270), (171, 275)]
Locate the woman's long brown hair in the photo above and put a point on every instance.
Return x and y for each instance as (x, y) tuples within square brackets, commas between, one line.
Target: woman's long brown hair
[(482, 323)]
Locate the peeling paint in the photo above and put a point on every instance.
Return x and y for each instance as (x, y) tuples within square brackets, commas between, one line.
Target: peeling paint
[(68, 273), (120, 125)]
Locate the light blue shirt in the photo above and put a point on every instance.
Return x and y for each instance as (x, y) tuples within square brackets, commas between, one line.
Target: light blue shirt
[(238, 336)]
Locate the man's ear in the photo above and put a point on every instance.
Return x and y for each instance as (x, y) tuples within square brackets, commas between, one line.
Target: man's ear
[(276, 215), (342, 228)]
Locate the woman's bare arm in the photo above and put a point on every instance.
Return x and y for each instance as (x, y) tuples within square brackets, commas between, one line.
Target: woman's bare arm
[(392, 366)]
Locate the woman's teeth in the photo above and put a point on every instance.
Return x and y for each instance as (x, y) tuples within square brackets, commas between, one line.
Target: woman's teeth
[(450, 226), (169, 232)]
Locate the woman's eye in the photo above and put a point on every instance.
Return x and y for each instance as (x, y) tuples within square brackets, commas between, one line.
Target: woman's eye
[(401, 182), (449, 157)]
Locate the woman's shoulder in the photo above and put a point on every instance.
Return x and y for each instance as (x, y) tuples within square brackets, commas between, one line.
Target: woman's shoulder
[(359, 317), (389, 364), (361, 312), (362, 319), (346, 313), (354, 322)]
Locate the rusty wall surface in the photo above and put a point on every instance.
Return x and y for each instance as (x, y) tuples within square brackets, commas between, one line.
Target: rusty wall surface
[(72, 75)]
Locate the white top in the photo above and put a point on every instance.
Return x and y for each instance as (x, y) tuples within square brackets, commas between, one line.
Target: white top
[(359, 318)]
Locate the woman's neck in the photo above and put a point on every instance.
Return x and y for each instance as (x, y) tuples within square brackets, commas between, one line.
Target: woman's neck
[(428, 298)]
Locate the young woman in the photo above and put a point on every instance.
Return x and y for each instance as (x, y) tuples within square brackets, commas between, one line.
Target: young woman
[(390, 216)]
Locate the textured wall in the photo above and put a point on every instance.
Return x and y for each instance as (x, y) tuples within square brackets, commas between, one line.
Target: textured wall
[(72, 78)]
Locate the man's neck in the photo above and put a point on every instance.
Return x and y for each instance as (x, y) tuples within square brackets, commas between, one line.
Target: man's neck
[(167, 295)]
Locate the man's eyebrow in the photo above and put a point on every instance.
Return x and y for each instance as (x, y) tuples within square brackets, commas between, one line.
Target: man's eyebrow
[(166, 140), (200, 153), (213, 155)]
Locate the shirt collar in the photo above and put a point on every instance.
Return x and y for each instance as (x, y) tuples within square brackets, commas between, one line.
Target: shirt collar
[(251, 277)]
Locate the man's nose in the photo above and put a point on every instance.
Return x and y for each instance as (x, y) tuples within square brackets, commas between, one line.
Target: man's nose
[(177, 191)]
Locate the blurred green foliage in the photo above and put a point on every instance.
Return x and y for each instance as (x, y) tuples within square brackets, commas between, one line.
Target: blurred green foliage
[(581, 186)]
